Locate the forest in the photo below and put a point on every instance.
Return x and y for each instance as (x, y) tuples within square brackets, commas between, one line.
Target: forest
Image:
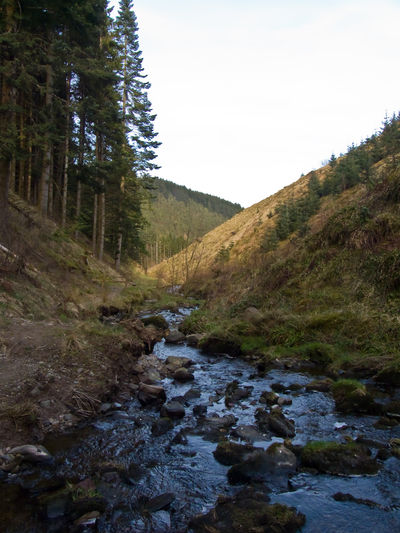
[(77, 137)]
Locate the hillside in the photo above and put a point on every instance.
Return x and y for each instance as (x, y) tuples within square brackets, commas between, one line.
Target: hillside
[(59, 356), (318, 260), (177, 216)]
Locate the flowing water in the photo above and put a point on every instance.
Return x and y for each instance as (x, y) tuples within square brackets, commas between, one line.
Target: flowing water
[(185, 466)]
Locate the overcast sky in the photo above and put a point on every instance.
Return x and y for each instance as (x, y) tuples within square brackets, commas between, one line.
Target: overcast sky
[(250, 94)]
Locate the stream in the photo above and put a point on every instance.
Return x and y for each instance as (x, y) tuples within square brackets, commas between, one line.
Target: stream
[(131, 465)]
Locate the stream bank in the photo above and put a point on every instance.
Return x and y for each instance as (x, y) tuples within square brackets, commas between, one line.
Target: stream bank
[(134, 470)]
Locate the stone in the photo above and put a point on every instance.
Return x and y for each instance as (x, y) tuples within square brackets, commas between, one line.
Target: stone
[(340, 459), (173, 409), (352, 397), (319, 385), (192, 394), (161, 426), (275, 422), (151, 394), (253, 315), (269, 398), (261, 465), (175, 337), (174, 362), (155, 320), (158, 503), (183, 374), (88, 519), (194, 338), (248, 511), (32, 453), (229, 453), (200, 410), (234, 393), (249, 434), (214, 344)]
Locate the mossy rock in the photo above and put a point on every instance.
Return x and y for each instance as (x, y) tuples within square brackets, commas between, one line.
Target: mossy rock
[(317, 352), (339, 459), (351, 396), (248, 511), (219, 344), (155, 320), (229, 453)]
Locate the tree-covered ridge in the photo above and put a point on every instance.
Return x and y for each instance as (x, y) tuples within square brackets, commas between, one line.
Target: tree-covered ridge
[(76, 128), (183, 194), (177, 216), (356, 166)]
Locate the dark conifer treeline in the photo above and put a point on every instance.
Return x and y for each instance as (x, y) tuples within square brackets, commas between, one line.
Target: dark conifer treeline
[(76, 129), (356, 166)]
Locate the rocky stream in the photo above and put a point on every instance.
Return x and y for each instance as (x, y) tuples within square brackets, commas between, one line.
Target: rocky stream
[(209, 432)]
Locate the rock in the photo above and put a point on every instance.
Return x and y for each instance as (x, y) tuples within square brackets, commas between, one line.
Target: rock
[(218, 422), (174, 362), (269, 398), (253, 315), (284, 401), (32, 453), (200, 410), (275, 422), (163, 501), (319, 385), (55, 504), (155, 320), (192, 394), (172, 410), (248, 434), (229, 453), (340, 497), (340, 425), (261, 465), (194, 338), (151, 394), (175, 337), (234, 393), (339, 459), (72, 310), (104, 407), (151, 376), (88, 519), (278, 387), (351, 396), (161, 426), (161, 522), (183, 374), (214, 344), (248, 511)]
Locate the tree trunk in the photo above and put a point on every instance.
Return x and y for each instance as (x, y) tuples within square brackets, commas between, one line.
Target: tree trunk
[(46, 169), (82, 130), (66, 160), (119, 250), (94, 229)]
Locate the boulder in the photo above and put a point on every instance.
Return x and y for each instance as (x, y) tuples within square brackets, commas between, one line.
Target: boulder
[(151, 394), (200, 410), (194, 338), (183, 374), (341, 459), (173, 362), (253, 315), (269, 398), (214, 344), (248, 434), (248, 511), (175, 337), (230, 453), (163, 501), (173, 409), (155, 320), (261, 465), (319, 385), (351, 396), (161, 426), (275, 422), (234, 393), (31, 453)]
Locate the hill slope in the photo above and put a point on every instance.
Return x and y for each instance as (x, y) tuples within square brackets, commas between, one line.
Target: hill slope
[(320, 260), (177, 216)]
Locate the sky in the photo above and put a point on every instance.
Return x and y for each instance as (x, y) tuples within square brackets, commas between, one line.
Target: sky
[(250, 94)]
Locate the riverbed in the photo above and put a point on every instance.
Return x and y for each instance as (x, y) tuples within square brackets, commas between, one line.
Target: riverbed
[(131, 465)]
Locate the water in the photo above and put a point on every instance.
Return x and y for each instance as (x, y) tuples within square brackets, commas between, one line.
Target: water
[(152, 465)]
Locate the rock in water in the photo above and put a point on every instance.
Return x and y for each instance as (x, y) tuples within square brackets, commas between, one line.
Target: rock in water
[(151, 394), (173, 410), (32, 453), (175, 337), (248, 511), (183, 374)]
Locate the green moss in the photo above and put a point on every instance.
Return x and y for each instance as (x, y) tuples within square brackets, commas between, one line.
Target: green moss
[(253, 345), (347, 386)]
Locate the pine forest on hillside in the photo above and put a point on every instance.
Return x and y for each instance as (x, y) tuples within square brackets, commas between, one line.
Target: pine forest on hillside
[(76, 131)]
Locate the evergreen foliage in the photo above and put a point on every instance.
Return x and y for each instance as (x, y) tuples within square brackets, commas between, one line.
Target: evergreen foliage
[(356, 166), (76, 128)]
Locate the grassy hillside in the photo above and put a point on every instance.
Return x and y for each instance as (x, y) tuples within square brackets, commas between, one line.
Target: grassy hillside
[(178, 216), (328, 292)]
